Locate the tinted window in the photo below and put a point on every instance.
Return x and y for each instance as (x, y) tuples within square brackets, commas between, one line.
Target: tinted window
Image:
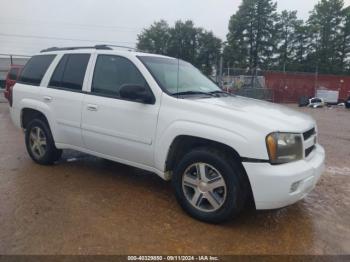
[(57, 76), (13, 73), (35, 69), (70, 72), (112, 72)]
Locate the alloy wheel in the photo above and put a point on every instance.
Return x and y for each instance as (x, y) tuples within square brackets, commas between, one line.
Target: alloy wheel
[(37, 142), (204, 187)]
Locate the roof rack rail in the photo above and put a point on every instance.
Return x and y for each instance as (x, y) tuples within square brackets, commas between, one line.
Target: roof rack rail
[(118, 46), (97, 47)]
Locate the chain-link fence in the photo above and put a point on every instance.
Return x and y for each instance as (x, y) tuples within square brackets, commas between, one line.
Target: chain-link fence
[(246, 83), (6, 60), (281, 87)]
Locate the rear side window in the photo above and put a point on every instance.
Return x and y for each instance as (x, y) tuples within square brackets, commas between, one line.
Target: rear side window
[(35, 69), (112, 72), (70, 72), (13, 73)]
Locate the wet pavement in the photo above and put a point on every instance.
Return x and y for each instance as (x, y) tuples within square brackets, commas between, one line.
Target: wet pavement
[(87, 205)]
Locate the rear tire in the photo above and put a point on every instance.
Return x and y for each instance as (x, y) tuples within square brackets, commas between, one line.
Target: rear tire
[(217, 196), (40, 144)]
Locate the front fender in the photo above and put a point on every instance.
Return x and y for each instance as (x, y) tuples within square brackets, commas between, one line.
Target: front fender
[(237, 141)]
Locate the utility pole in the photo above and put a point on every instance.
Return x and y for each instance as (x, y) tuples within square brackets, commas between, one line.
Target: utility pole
[(316, 80), (317, 65), (221, 66)]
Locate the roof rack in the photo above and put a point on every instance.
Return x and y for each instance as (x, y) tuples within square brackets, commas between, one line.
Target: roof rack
[(97, 47), (117, 46)]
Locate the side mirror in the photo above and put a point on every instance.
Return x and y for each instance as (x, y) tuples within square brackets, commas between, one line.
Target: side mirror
[(136, 93)]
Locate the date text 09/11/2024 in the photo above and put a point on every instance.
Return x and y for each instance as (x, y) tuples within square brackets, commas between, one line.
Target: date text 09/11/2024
[(173, 258)]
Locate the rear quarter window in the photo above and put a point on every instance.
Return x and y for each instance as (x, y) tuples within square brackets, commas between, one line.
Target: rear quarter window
[(35, 69)]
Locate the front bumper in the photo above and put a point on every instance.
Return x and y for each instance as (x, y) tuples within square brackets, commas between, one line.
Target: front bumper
[(276, 186)]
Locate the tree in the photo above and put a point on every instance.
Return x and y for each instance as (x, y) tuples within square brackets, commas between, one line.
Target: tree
[(251, 41), (344, 48), (325, 25), (300, 42), (184, 41), (208, 51), (291, 40), (155, 39)]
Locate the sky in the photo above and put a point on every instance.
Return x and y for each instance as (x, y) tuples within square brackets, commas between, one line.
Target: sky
[(26, 27)]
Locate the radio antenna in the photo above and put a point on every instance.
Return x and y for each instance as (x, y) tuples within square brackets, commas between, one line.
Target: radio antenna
[(178, 67)]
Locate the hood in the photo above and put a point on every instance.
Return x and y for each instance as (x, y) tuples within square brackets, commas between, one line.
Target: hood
[(273, 117)]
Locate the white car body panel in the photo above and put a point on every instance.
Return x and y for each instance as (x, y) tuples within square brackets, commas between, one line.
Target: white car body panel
[(141, 135), (119, 128), (271, 184)]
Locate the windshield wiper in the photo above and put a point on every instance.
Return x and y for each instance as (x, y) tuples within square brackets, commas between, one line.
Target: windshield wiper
[(221, 92), (194, 93)]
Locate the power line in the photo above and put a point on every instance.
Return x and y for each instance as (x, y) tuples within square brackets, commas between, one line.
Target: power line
[(15, 55), (87, 26), (64, 39)]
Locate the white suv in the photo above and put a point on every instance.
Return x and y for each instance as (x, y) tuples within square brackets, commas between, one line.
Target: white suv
[(162, 115)]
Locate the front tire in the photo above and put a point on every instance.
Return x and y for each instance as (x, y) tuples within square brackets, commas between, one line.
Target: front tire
[(208, 185), (40, 144)]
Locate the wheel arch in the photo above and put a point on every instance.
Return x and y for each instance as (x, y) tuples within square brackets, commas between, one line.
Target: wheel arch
[(185, 143), (28, 114)]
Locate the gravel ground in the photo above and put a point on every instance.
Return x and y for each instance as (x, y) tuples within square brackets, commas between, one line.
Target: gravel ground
[(2, 98), (86, 205)]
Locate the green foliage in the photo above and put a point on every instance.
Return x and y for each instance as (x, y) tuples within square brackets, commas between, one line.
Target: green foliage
[(252, 38), (344, 47), (184, 41), (291, 41), (155, 39), (261, 38), (325, 26)]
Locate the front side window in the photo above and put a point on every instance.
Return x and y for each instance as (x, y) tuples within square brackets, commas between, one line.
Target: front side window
[(35, 69), (113, 72), (70, 72), (177, 76)]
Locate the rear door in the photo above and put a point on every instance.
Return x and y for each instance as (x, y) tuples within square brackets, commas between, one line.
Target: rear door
[(64, 96)]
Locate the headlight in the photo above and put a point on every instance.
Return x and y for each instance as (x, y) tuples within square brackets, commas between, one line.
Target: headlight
[(284, 147)]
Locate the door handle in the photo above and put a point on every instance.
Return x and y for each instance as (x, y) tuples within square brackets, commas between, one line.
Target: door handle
[(92, 107), (47, 98)]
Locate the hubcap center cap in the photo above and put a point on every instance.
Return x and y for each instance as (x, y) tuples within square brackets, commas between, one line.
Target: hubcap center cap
[(203, 187)]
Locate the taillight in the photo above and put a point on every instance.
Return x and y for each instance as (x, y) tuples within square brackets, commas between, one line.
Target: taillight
[(10, 95), (6, 94)]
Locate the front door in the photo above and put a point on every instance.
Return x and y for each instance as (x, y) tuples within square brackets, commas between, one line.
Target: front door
[(122, 129)]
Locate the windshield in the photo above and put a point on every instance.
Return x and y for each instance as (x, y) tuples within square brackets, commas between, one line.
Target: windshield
[(178, 77)]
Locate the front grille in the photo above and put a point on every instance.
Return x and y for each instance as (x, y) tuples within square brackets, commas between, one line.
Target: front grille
[(309, 134), (309, 151)]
